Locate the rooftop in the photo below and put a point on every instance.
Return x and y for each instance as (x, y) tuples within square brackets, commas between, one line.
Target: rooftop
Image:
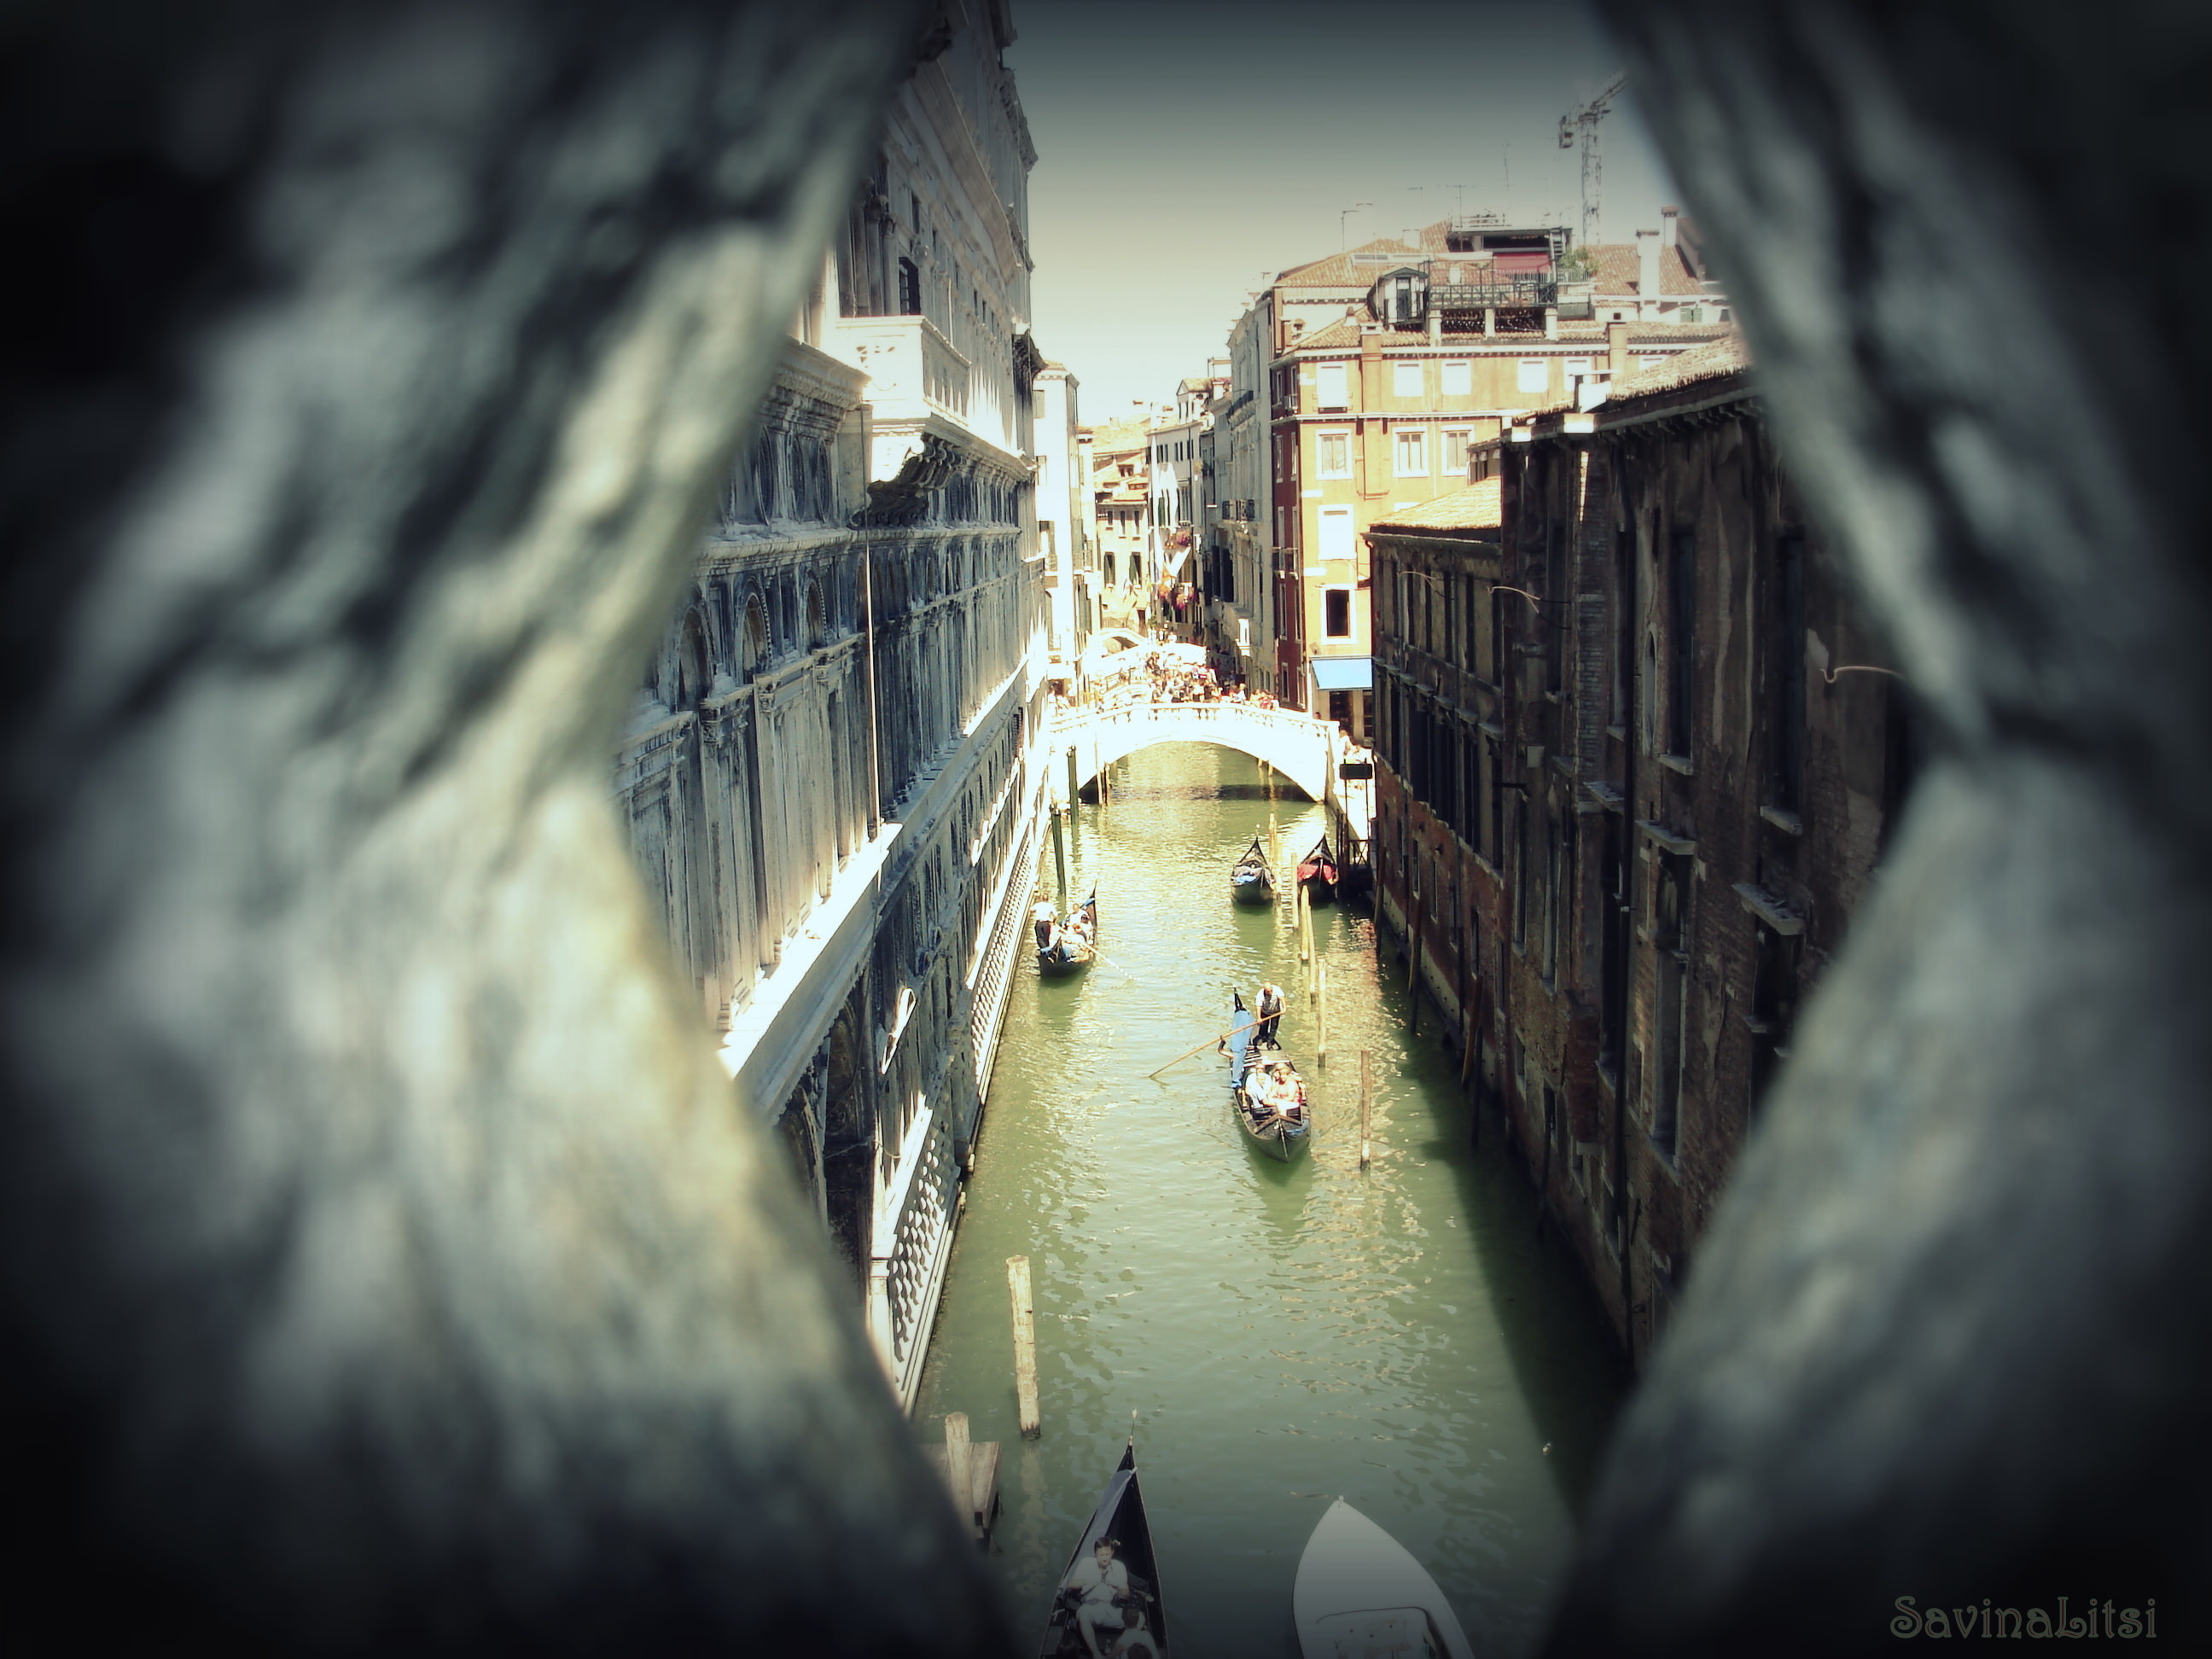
[(1711, 361), (1475, 508), (1619, 266), (1347, 333)]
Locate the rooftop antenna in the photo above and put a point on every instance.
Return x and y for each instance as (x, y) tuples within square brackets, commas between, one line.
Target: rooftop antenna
[(1342, 243)]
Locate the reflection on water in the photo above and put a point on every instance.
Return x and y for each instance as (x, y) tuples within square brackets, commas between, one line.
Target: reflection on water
[(1286, 1333)]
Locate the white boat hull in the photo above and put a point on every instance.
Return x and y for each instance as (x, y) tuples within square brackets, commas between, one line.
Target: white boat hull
[(1360, 1595)]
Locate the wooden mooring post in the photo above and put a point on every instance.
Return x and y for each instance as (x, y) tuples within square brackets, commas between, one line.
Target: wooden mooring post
[(1060, 853), (1366, 1110), (1321, 1015), (1025, 1381), (971, 1474)]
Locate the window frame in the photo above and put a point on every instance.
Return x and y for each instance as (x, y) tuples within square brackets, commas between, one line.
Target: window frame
[(1400, 445)]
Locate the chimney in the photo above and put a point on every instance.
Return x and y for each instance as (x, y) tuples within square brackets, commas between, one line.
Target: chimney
[(1616, 350), (1668, 216), (1647, 274)]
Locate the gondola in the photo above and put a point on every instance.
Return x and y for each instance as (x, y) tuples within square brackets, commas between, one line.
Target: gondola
[(1250, 881), (1272, 1134), (1317, 871), (1066, 954), (1360, 1591), (1120, 1515)]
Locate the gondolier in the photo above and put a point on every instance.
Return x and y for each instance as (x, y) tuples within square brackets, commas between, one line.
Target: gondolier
[(1270, 1011)]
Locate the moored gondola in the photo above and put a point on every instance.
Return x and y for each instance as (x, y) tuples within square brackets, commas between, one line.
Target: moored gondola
[(1128, 1578), (1317, 871), (1278, 1127), (1070, 945), (1250, 880)]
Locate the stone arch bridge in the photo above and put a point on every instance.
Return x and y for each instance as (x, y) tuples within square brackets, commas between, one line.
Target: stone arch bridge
[(1297, 745)]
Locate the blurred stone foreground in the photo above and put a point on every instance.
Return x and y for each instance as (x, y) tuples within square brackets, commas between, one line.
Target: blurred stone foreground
[(384, 1269)]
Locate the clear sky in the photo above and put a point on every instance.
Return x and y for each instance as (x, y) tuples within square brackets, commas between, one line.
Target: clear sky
[(1187, 149)]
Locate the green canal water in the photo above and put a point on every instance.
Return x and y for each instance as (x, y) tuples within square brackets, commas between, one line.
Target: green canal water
[(1285, 1334)]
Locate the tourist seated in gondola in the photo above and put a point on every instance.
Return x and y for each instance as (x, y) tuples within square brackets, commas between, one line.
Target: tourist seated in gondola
[(1135, 1641), (1099, 1587), (1270, 1012), (1264, 1089), (1282, 1094)]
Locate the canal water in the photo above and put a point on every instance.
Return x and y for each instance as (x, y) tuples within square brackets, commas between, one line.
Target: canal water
[(1284, 1334)]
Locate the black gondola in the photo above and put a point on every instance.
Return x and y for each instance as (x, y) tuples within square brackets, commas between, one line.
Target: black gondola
[(1071, 949), (1250, 880), (1120, 1515), (1317, 871), (1278, 1136)]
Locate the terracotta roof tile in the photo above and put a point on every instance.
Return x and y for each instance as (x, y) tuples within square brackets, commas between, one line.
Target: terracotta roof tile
[(1620, 270), (1725, 355), (1475, 508), (1708, 361)]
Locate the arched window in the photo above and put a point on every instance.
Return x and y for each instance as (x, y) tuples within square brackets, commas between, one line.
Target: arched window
[(756, 639), (695, 674), (818, 617)]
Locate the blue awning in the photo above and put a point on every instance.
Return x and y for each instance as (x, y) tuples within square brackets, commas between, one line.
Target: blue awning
[(1343, 673)]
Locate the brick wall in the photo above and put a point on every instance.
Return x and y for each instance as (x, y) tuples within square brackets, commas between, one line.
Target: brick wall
[(1740, 860)]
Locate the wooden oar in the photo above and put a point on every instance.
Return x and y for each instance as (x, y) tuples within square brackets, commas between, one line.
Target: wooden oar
[(1192, 1049)]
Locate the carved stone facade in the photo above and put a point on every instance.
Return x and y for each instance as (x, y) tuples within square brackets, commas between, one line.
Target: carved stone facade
[(828, 777)]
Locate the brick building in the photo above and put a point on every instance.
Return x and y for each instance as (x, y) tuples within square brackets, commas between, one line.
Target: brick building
[(1375, 370), (1637, 759)]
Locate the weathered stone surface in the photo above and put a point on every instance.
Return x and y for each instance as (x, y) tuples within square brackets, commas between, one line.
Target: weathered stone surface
[(388, 1267), (1945, 1337)]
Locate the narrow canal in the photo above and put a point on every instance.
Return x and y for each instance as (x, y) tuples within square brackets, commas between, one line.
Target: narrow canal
[(1285, 1334)]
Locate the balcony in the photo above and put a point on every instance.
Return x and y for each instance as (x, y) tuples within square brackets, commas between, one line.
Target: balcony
[(1522, 291), (912, 370)]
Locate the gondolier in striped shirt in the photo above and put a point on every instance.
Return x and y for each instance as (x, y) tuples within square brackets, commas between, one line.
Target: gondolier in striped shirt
[(1271, 1013)]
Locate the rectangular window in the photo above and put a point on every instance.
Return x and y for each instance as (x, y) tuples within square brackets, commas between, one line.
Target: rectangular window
[(1412, 451), (1786, 675), (1682, 643), (1458, 381), (1535, 375), (1330, 390), (1406, 380), (1336, 533), (1336, 612), (1452, 445), (1332, 455), (1670, 1003), (1575, 366)]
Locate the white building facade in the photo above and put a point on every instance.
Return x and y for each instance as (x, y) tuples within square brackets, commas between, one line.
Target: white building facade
[(831, 778)]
